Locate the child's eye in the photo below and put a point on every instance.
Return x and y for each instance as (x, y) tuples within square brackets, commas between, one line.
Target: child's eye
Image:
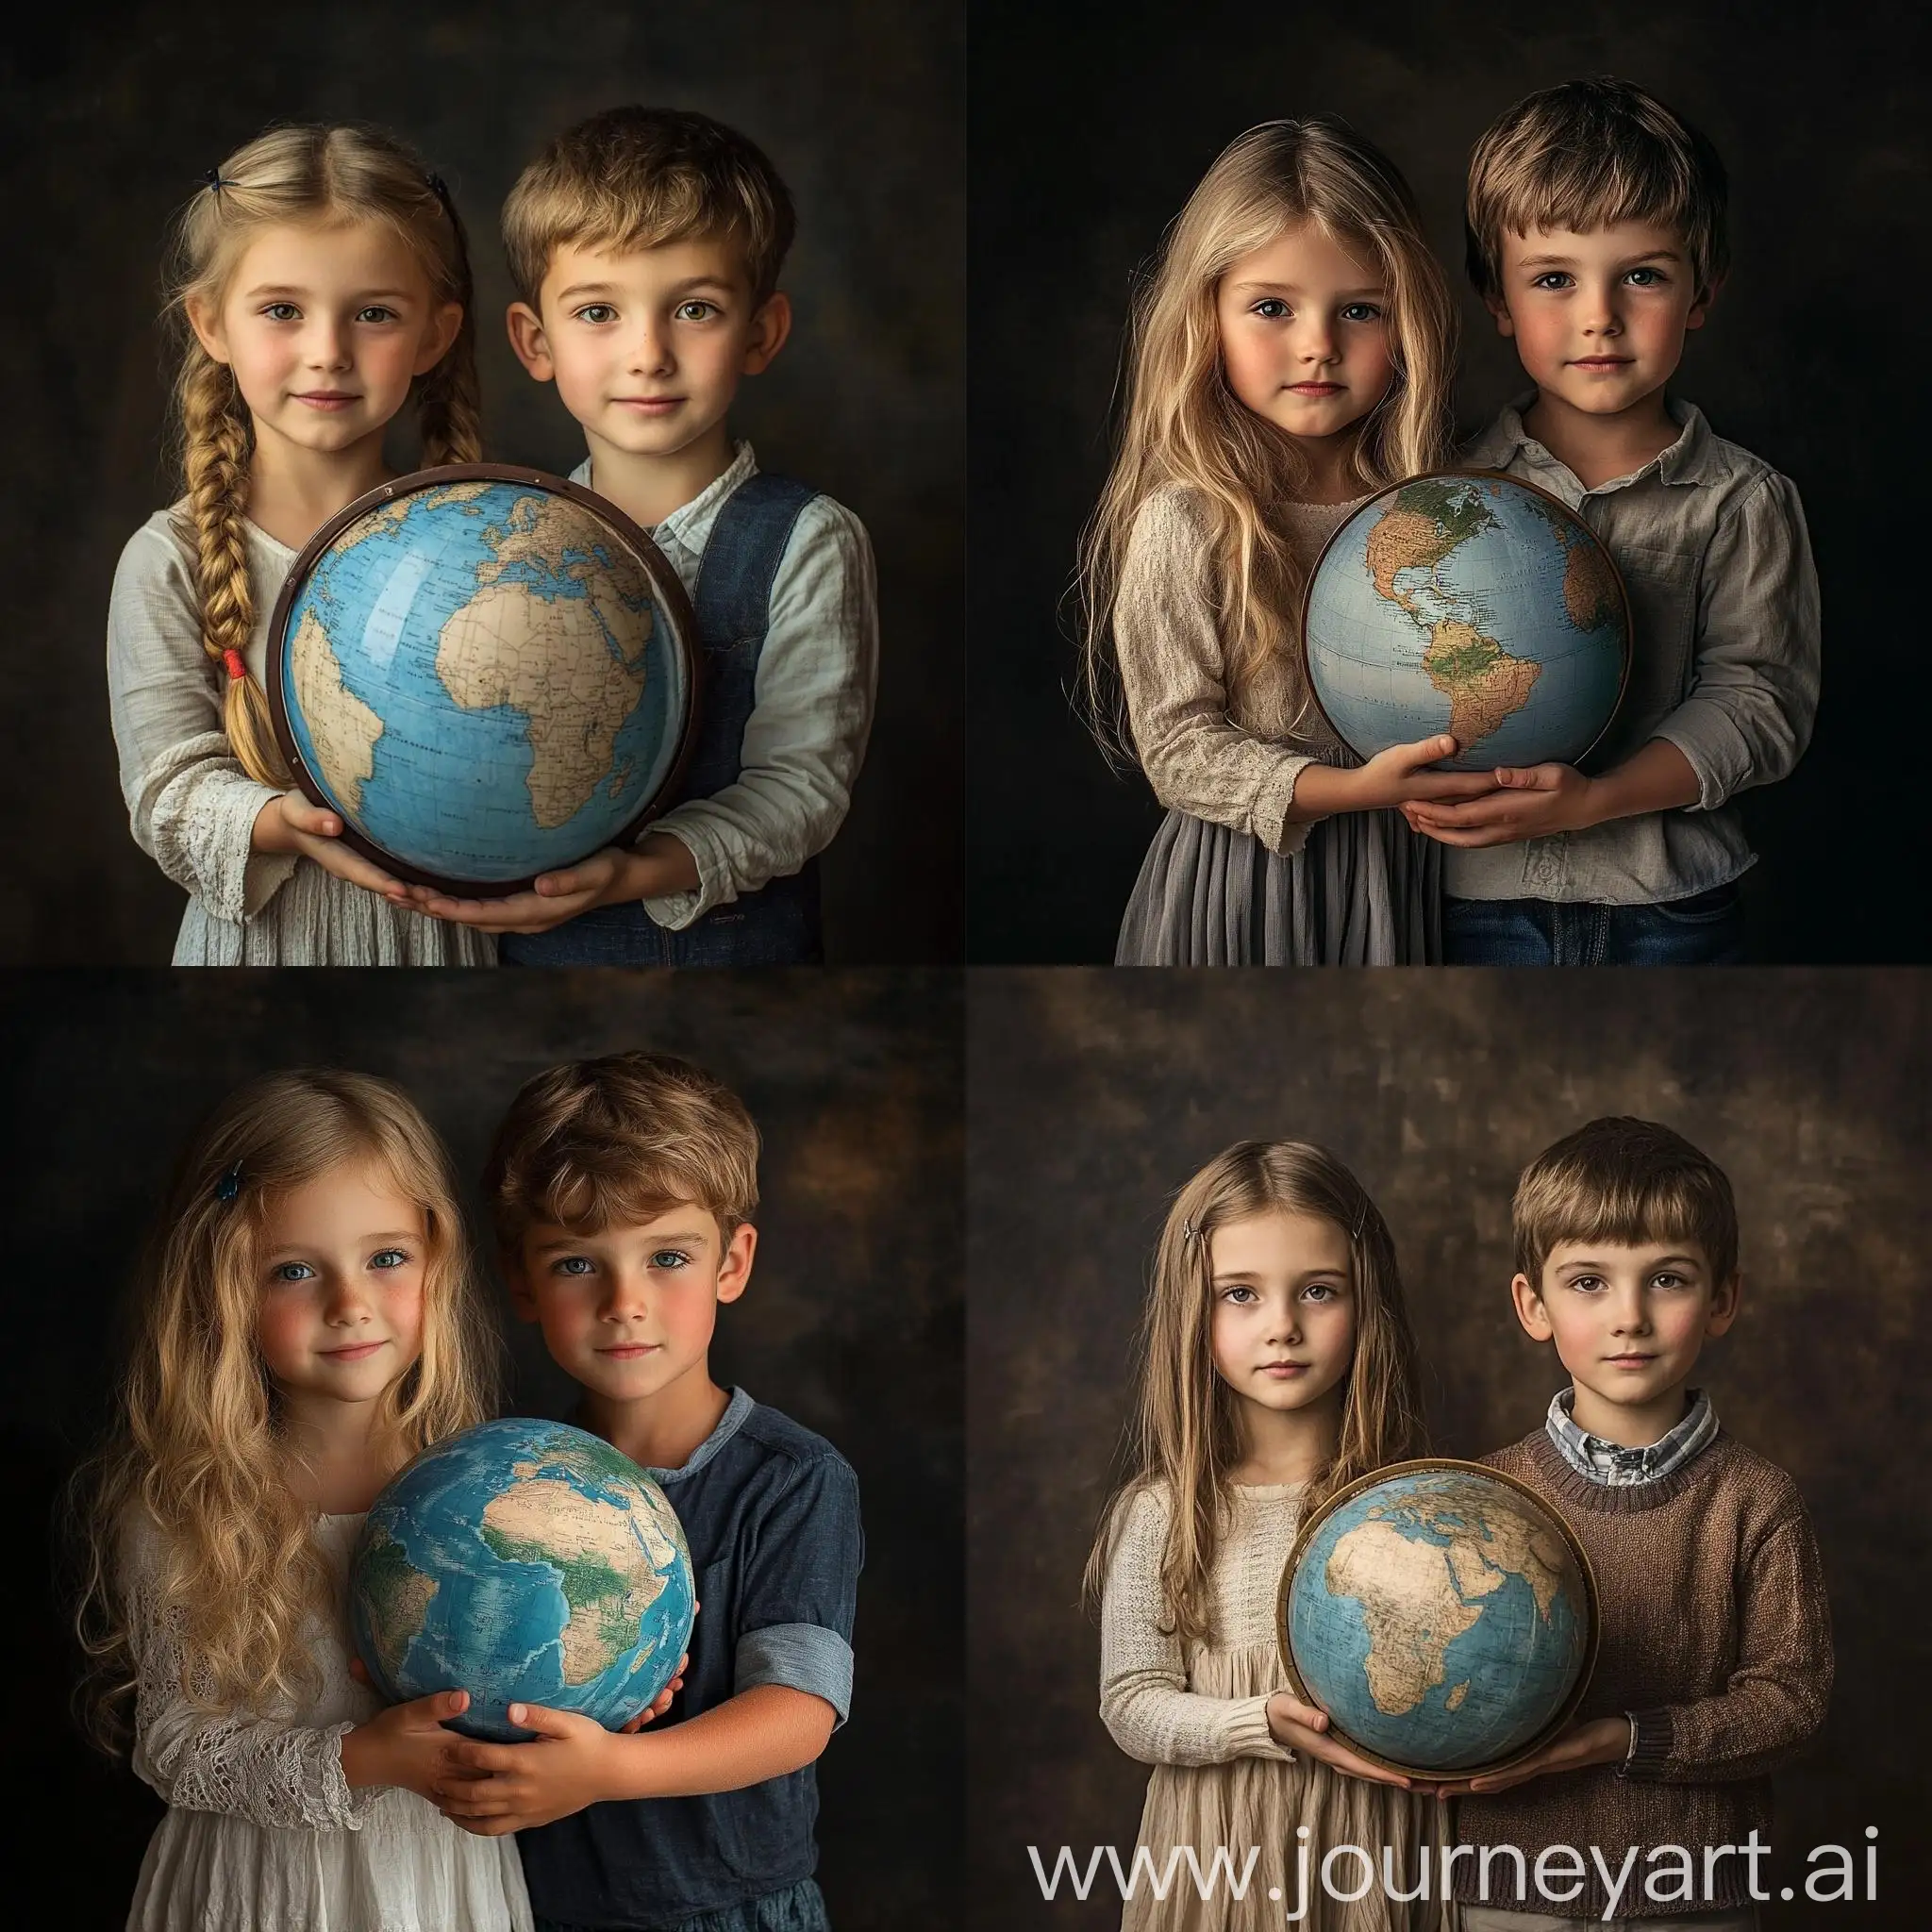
[(573, 1265), (1589, 1284), (1361, 311), (670, 1257), (282, 312), (1238, 1294), (291, 1270), (1551, 279), (390, 1258), (1646, 278), (376, 312), (696, 311), (595, 312), (1271, 308), (1320, 1292), (1669, 1278)]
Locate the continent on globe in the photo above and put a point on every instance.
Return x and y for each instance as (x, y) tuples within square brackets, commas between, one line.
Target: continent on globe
[(1412, 1611), (399, 1598), (344, 729), (1590, 584)]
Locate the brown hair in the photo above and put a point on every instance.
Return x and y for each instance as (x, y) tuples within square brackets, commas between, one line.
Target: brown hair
[(1585, 156), (618, 1140), (296, 175), (1183, 424), (1628, 1181), (1187, 1436), (638, 177), (196, 1468)]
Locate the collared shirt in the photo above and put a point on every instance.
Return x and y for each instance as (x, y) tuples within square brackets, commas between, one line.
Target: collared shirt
[(805, 740), (1616, 1467), (1711, 543)]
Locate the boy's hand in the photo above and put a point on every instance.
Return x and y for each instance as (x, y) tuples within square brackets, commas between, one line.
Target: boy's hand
[(659, 1704), (1304, 1730), (1527, 802), (1602, 1741), (660, 866), (503, 1787)]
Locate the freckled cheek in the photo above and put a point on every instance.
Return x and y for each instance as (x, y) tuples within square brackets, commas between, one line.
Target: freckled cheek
[(283, 1332)]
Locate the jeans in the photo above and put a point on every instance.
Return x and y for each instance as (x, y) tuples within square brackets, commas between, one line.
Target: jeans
[(799, 1907), (1707, 929)]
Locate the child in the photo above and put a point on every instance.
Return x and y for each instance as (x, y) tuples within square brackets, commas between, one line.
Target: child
[(646, 246), (308, 1326), (323, 281), (1596, 236), (1290, 357), (1715, 1663), (622, 1189), (1277, 1366)]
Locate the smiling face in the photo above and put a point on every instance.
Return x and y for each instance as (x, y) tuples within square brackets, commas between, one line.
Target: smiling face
[(629, 1312), (1598, 319), (323, 327), (647, 345), (1304, 338), (341, 1264), (1284, 1322), (1628, 1322)]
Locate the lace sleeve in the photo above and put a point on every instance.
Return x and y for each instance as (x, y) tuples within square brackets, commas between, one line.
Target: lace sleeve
[(275, 1772)]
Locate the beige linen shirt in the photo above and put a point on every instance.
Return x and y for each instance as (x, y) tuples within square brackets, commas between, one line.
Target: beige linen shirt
[(1711, 546)]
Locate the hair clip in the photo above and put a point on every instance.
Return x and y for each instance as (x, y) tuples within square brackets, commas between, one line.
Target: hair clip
[(438, 187), (230, 1184), (214, 179), (1189, 1231)]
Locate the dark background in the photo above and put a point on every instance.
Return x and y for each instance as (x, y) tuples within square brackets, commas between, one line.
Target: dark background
[(1095, 1095), (111, 115), (1091, 125), (851, 1324)]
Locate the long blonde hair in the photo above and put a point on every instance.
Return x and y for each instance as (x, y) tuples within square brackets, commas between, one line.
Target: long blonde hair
[(198, 1462), (307, 175), (1186, 1436), (1183, 424)]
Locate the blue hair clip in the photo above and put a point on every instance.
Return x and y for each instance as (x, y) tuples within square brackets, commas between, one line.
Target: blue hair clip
[(230, 1184), (214, 179)]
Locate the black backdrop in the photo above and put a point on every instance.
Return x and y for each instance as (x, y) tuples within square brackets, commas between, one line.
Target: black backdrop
[(1095, 1095), (851, 1324), (111, 114), (1090, 124)]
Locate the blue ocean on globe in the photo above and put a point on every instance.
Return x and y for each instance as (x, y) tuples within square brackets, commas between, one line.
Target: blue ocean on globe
[(523, 1561), (1440, 1616), (1471, 603), (479, 678)]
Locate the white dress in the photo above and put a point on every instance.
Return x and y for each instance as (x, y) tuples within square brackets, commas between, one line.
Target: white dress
[(262, 1833)]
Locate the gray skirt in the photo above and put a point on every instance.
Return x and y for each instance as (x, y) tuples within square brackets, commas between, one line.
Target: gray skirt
[(1363, 891)]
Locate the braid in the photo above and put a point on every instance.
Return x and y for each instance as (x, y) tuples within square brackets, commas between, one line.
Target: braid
[(216, 446)]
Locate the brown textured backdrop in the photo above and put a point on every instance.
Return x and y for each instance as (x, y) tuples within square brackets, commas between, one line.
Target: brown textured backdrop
[(1094, 1094), (851, 1324)]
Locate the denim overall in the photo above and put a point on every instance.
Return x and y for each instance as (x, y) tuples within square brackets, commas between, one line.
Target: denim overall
[(778, 924)]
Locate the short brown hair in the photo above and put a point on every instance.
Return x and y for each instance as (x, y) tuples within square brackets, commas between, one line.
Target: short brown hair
[(1624, 1180), (637, 177), (619, 1140), (1585, 156)]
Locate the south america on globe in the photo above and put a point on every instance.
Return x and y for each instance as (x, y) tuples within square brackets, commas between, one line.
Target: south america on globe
[(1472, 603), (486, 671), (1442, 1614), (523, 1561)]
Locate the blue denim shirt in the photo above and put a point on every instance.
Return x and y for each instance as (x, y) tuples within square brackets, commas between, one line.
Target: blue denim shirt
[(770, 1512)]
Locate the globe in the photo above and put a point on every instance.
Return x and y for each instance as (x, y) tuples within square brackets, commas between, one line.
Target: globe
[(1470, 603), (485, 672), (1442, 1614), (522, 1561)]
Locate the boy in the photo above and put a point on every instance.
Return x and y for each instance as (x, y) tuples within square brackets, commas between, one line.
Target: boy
[(1597, 237), (1716, 1661), (621, 1191), (646, 246)]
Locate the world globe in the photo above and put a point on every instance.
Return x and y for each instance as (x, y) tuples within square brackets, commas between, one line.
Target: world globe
[(523, 1561), (486, 671), (1442, 1614), (1470, 603)]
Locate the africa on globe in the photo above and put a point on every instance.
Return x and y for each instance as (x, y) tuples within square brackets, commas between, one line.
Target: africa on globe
[(487, 672), (523, 1561), (1442, 1614), (1472, 603)]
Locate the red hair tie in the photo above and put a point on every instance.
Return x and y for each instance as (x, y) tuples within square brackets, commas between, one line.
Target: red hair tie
[(237, 669)]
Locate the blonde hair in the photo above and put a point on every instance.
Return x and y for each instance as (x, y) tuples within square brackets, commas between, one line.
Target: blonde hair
[(198, 1455), (1585, 156), (1186, 1433), (614, 1141), (1183, 424), (638, 177), (1626, 1181), (300, 174)]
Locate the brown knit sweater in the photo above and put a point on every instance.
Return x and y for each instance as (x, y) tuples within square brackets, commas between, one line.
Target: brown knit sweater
[(1716, 1639)]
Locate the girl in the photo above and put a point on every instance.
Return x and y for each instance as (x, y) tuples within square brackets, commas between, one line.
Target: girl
[(1276, 1366), (321, 281), (307, 1326), (1289, 356)]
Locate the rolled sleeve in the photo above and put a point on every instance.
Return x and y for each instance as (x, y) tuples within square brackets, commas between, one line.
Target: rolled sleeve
[(1749, 715), (802, 1656), (806, 737)]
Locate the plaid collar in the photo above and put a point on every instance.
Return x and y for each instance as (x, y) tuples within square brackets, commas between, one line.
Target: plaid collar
[(1619, 1468)]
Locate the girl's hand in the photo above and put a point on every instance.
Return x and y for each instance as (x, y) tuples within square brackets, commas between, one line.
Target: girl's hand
[(290, 824), (503, 1787), (1400, 776), (407, 1745), (1304, 1730)]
